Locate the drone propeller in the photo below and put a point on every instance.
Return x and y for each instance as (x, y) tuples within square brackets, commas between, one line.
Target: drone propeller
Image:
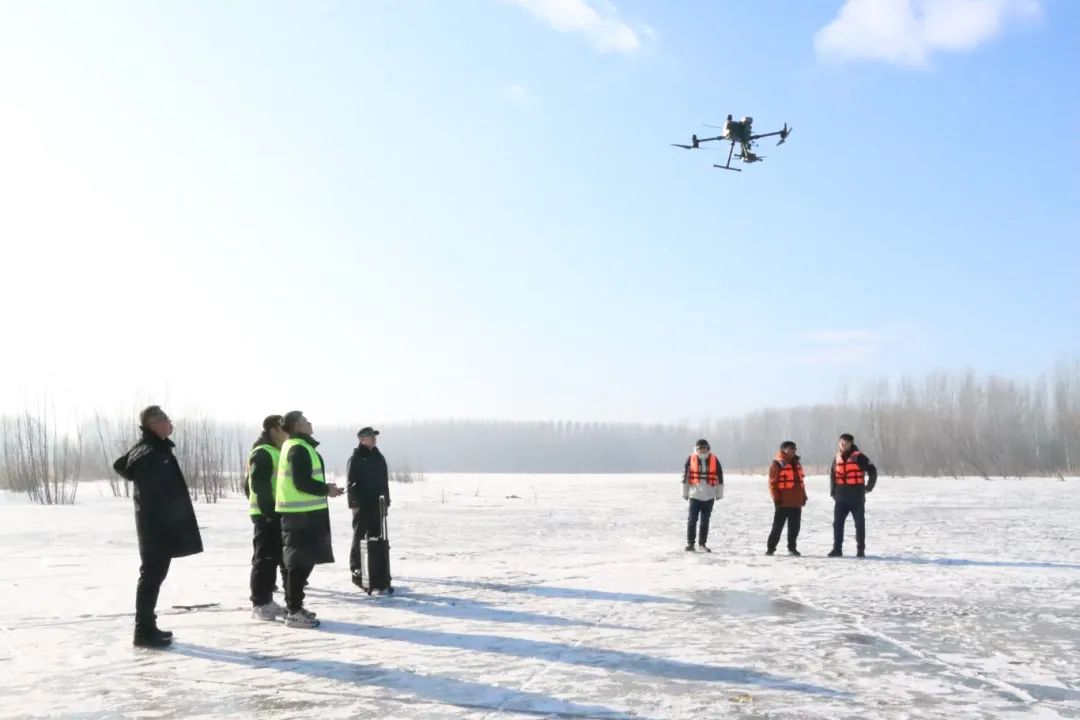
[(691, 147), (784, 135)]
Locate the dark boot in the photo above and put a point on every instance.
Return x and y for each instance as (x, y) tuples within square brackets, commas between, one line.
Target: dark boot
[(690, 547), (770, 551), (150, 639), (794, 552), (836, 553), (860, 553)]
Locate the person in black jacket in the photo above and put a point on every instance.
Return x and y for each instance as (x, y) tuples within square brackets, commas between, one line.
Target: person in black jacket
[(369, 478), (851, 476), (164, 518), (266, 524), (305, 535)]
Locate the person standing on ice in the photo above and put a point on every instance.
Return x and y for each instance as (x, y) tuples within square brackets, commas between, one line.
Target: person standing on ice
[(851, 476), (301, 501), (703, 485), (266, 523), (369, 478), (788, 490), (164, 518)]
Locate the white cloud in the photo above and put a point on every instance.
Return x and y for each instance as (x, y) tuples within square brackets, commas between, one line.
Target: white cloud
[(909, 32), (597, 19), (518, 95)]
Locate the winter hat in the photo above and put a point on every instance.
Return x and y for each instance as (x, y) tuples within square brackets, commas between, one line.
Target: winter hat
[(701, 444)]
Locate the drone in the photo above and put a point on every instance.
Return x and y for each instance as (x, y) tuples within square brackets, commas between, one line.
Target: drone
[(741, 132)]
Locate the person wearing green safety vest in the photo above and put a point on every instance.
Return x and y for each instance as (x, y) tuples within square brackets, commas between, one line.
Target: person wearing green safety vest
[(261, 482), (300, 499)]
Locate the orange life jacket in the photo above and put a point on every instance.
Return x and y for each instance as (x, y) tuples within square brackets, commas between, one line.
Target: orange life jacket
[(695, 474), (789, 475), (848, 472)]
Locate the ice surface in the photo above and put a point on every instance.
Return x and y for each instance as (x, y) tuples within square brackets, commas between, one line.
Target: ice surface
[(573, 599)]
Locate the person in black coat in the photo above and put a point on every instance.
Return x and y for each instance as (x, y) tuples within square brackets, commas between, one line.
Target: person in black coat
[(369, 479), (164, 518), (305, 536), (851, 477), (267, 558)]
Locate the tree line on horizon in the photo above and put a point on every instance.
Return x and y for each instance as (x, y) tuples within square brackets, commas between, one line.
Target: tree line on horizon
[(944, 424)]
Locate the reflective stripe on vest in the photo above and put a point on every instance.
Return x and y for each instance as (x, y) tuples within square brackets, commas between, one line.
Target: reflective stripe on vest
[(287, 498), (712, 475), (253, 500), (849, 472), (788, 473)]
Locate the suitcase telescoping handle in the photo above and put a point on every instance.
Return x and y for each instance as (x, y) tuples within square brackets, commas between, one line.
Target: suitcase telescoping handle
[(382, 514)]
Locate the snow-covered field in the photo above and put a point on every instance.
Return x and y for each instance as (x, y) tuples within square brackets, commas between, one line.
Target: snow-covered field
[(572, 599)]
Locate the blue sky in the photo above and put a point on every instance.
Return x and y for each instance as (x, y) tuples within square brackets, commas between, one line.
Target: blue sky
[(395, 210)]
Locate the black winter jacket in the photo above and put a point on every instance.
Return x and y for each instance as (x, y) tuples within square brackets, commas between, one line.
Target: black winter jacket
[(262, 478), (164, 516), (368, 477), (305, 536)]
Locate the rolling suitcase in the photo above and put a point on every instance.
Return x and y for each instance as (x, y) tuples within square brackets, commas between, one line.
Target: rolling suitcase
[(375, 558)]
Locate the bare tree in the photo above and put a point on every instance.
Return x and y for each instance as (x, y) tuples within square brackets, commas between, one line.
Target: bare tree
[(37, 460)]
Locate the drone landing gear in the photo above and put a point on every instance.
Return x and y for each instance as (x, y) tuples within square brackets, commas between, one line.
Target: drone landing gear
[(728, 166)]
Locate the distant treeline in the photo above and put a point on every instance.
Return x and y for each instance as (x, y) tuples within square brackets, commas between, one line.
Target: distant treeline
[(941, 425)]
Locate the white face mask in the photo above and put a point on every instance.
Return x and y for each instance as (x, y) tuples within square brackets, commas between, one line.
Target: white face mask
[(703, 453)]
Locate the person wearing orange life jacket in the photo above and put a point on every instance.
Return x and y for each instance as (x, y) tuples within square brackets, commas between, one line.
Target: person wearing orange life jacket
[(851, 476), (703, 485), (788, 490)]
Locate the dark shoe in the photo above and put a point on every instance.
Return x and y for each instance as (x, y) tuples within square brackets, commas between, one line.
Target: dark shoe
[(770, 552), (704, 547), (836, 553), (167, 634), (860, 553), (795, 553), (150, 640), (689, 548)]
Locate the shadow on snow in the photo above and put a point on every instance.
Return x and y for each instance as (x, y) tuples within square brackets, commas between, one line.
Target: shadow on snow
[(464, 609), (574, 655), (960, 562), (552, 592), (436, 688)]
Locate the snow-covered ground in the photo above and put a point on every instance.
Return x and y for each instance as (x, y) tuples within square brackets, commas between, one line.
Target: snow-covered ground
[(572, 599)]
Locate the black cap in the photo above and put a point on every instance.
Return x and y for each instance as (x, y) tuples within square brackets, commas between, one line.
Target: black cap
[(848, 436), (702, 443), (367, 432), (788, 444), (289, 422)]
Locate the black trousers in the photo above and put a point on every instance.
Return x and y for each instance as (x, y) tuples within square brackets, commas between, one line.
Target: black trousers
[(702, 509), (266, 559), (294, 587), (366, 523), (152, 573), (840, 513), (793, 517)]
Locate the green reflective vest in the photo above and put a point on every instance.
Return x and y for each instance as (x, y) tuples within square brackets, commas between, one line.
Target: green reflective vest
[(253, 501), (287, 498)]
